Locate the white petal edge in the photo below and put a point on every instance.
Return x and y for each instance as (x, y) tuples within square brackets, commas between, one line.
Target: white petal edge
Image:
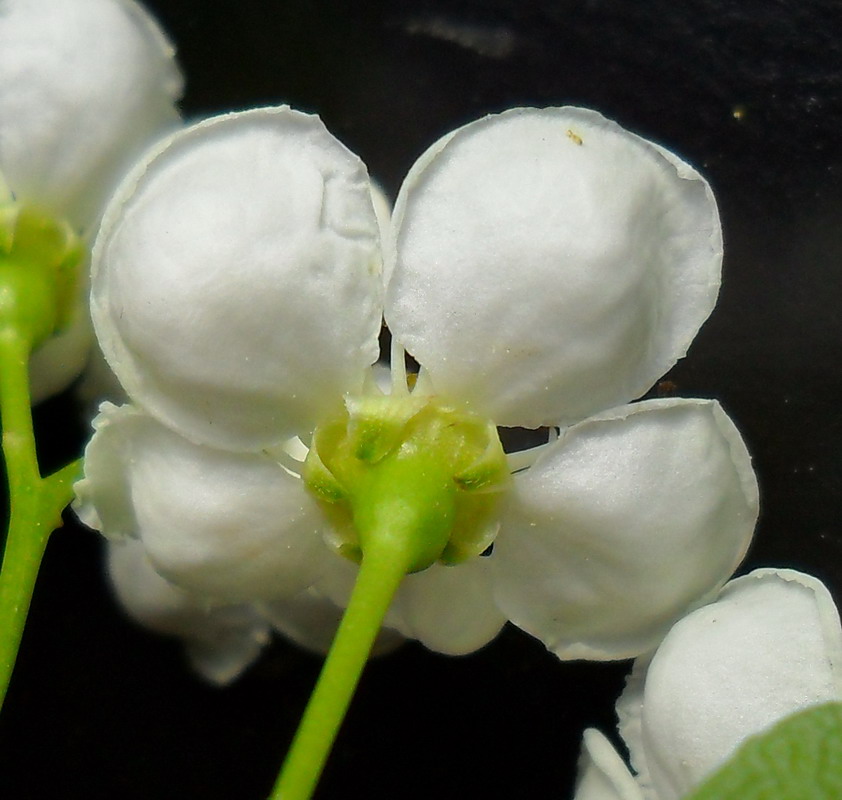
[(625, 523), (602, 773), (85, 86), (548, 264), (220, 642), (769, 646), (232, 527), (236, 287)]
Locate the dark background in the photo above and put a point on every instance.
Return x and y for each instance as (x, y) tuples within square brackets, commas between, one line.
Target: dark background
[(750, 92)]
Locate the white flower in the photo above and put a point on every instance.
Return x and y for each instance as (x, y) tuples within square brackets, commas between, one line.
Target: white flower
[(85, 86), (769, 646), (545, 265)]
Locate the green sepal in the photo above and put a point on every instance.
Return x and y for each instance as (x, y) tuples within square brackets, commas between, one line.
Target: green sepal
[(799, 758), (320, 480), (377, 423), (488, 470)]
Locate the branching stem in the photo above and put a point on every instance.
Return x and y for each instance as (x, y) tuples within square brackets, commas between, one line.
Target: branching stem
[(35, 503)]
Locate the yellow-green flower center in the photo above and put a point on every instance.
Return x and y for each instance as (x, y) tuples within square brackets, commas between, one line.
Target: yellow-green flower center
[(412, 466)]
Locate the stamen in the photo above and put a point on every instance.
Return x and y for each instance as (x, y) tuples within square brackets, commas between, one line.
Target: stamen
[(377, 378), (423, 383), (290, 455), (398, 361), (523, 459)]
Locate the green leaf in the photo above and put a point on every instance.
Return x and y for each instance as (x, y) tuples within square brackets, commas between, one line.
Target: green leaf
[(799, 758)]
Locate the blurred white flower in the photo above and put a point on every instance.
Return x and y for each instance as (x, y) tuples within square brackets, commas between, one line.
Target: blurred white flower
[(543, 266), (85, 86), (769, 646), (219, 641)]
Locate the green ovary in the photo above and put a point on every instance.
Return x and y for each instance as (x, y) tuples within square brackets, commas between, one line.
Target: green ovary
[(408, 466)]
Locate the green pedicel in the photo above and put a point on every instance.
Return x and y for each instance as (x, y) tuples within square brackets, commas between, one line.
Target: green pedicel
[(40, 260)]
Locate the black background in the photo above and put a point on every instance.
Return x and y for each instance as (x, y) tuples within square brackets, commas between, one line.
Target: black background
[(748, 91)]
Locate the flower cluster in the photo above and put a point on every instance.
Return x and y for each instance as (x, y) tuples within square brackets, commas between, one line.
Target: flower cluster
[(85, 86), (544, 267)]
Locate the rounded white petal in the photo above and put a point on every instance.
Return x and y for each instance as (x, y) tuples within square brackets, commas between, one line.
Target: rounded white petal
[(602, 773), (220, 641), (85, 85), (622, 525), (226, 526), (236, 288), (549, 264), (449, 609), (769, 646)]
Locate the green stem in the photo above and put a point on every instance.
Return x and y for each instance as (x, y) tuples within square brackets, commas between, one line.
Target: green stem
[(35, 503), (382, 569)]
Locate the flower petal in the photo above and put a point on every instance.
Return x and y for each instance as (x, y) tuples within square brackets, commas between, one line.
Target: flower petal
[(236, 289), (310, 619), (449, 609), (549, 264), (622, 525), (769, 646), (220, 642), (103, 496), (85, 85), (602, 773), (227, 526)]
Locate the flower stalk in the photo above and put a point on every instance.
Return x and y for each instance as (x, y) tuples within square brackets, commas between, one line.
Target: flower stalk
[(382, 568), (39, 265)]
